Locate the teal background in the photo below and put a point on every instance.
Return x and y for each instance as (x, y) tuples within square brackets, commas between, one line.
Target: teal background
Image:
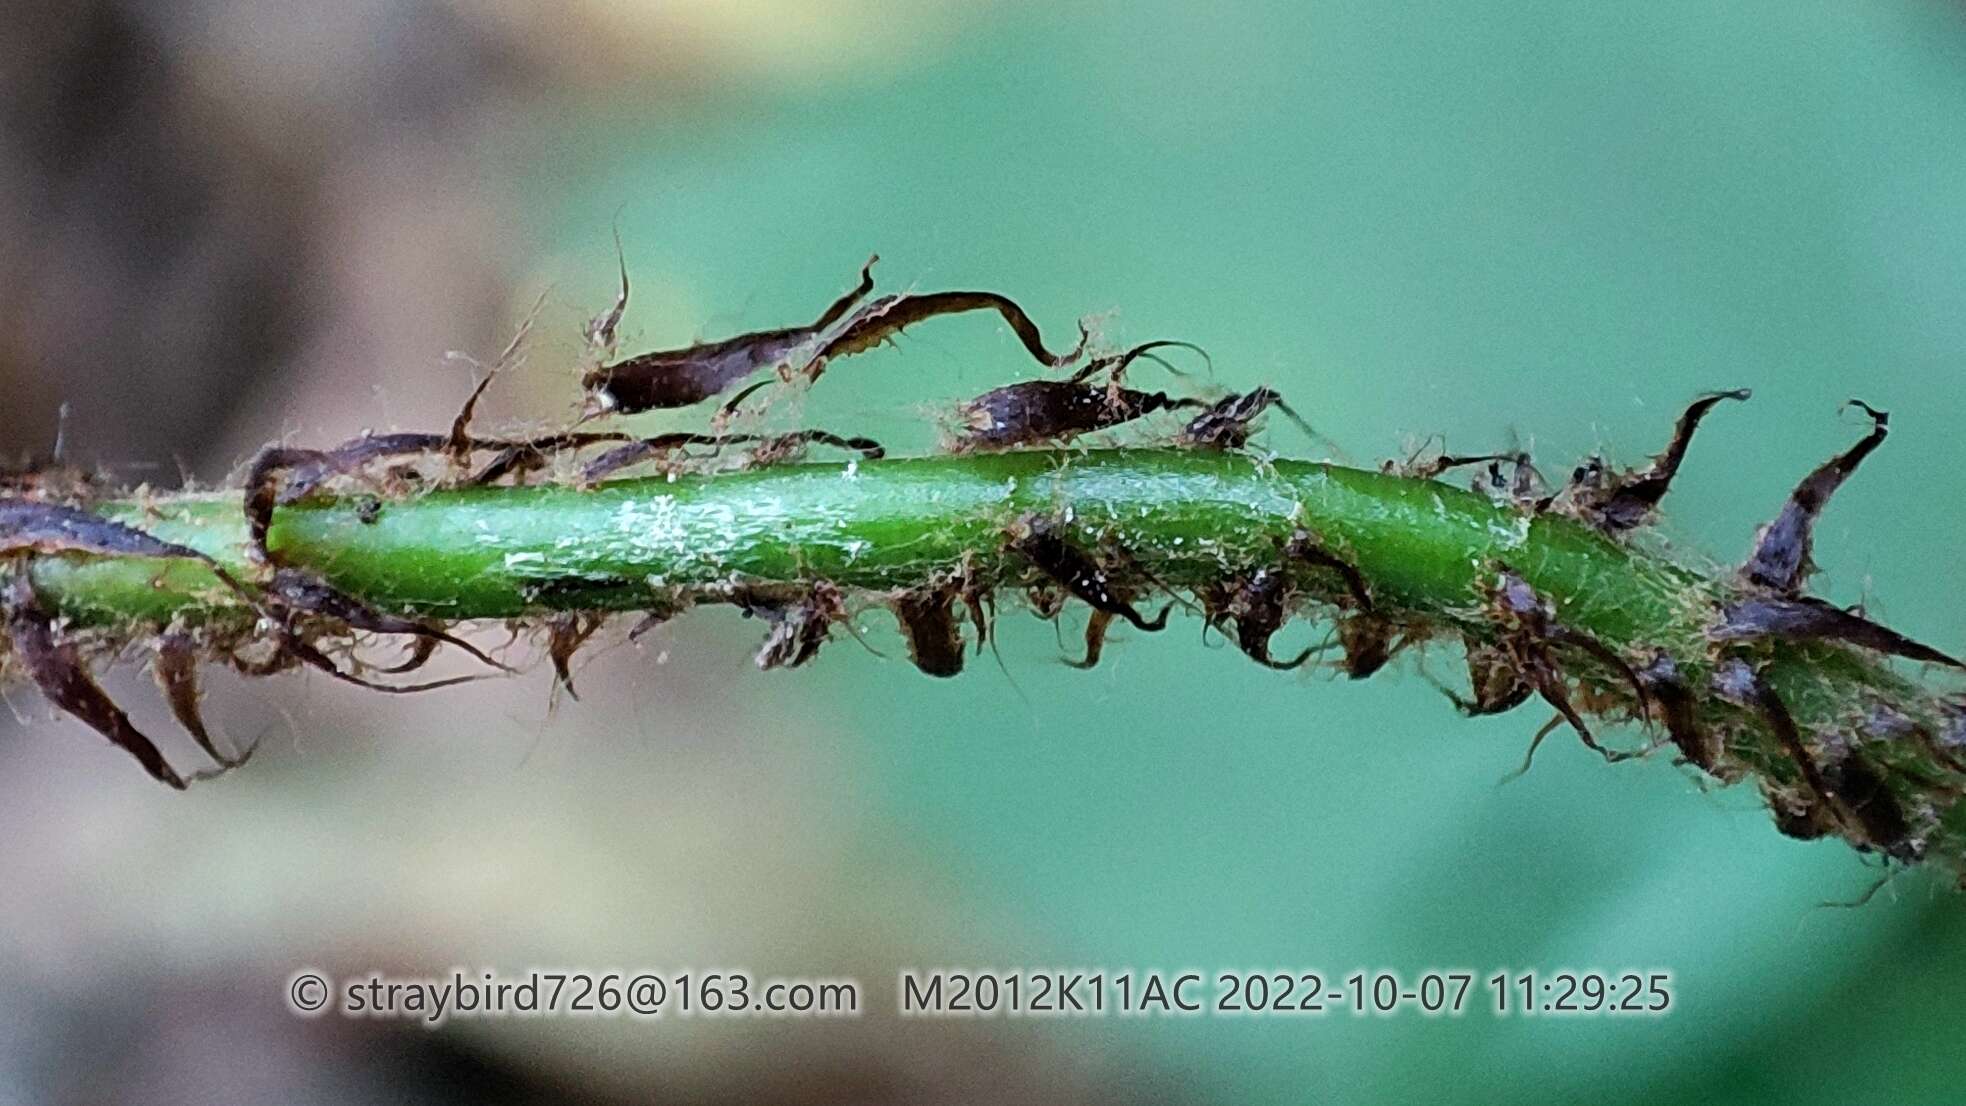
[(1551, 220)]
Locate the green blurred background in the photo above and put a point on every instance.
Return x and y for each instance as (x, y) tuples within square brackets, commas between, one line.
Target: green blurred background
[(1545, 222)]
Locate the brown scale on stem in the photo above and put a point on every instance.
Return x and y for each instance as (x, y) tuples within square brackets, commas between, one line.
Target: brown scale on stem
[(1819, 809), (1439, 465), (1053, 412), (421, 650), (294, 591), (282, 475), (1802, 618), (1521, 487), (1677, 709), (1493, 682), (1038, 539), (56, 668), (928, 622), (1225, 425), (798, 626), (1369, 642), (1258, 602), (1780, 560), (517, 459), (662, 447), (1096, 626), (978, 599), (601, 330), (174, 663), (667, 379), (766, 449), (50, 481), (1737, 682), (1528, 631), (29, 529), (1871, 810), (1775, 571), (882, 319), (566, 632), (294, 648), (1615, 502), (1254, 603), (778, 449)]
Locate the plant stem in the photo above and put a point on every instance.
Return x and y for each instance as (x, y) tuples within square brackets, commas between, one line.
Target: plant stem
[(1188, 519), (488, 552)]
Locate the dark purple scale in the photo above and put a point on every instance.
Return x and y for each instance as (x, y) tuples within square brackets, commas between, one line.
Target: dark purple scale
[(1037, 411)]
